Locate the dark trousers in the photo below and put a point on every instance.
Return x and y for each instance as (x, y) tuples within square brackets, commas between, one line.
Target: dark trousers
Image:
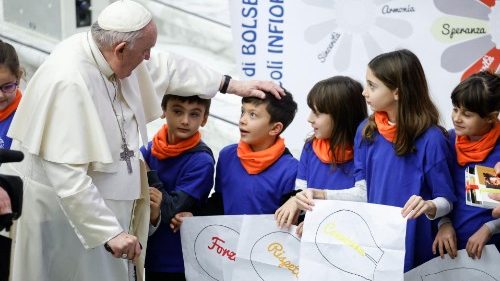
[(5, 244), (165, 276)]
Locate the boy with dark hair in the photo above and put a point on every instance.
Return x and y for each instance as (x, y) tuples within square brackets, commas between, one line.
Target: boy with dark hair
[(255, 175), (185, 167)]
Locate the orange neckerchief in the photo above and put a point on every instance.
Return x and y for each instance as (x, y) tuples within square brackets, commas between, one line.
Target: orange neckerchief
[(476, 151), (387, 130), (4, 114), (321, 148), (255, 162), (161, 149)]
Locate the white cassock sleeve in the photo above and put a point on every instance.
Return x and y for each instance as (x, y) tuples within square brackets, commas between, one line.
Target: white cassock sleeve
[(94, 223), (176, 75)]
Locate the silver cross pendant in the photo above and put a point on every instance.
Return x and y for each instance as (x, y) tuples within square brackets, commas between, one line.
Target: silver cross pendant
[(125, 155)]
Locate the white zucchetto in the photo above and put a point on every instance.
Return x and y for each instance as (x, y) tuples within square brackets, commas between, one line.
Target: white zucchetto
[(124, 16)]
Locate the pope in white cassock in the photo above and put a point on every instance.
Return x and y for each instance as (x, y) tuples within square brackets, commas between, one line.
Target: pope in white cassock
[(80, 123)]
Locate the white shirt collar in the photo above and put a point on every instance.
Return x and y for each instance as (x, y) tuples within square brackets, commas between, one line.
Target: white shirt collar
[(103, 65)]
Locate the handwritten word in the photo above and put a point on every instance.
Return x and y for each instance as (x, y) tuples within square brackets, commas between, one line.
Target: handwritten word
[(334, 37), (386, 9), (277, 250), (220, 249), (329, 229), (452, 31)]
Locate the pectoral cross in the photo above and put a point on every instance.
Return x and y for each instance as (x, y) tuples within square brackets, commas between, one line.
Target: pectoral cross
[(125, 155)]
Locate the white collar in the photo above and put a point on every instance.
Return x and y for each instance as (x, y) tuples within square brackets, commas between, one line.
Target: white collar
[(102, 64)]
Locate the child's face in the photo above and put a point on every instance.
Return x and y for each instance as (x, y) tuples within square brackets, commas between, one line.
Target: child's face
[(321, 123), (468, 123), (183, 119), (378, 96), (255, 126), (6, 79), (494, 180)]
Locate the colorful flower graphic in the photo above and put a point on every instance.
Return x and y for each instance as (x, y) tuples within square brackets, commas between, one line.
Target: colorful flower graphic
[(475, 24), (356, 21)]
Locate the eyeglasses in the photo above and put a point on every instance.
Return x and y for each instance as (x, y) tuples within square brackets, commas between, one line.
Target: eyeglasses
[(9, 88)]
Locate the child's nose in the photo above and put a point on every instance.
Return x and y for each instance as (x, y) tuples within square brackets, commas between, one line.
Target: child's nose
[(243, 120), (364, 93)]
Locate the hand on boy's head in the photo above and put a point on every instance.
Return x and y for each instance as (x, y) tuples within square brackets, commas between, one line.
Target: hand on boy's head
[(254, 88), (497, 169), (176, 221)]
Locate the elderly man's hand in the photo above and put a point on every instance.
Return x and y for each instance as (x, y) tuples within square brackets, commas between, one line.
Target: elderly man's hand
[(254, 88), (125, 246)]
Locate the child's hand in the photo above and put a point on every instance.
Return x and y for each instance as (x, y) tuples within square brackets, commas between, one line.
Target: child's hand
[(287, 214), (446, 239), (496, 212), (176, 221), (477, 241), (497, 168), (304, 199), (416, 206), (300, 229), (155, 198)]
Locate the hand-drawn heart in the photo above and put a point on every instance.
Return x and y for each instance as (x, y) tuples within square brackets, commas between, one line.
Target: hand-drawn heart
[(215, 248), (275, 256), (459, 273), (346, 241)]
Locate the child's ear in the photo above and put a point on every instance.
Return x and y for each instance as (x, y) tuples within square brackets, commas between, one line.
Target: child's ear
[(205, 119), (396, 94), (163, 115), (493, 117), (276, 129)]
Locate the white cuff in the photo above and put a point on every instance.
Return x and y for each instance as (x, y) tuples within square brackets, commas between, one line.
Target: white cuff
[(300, 184), (494, 226), (153, 228), (92, 220), (94, 223), (444, 220), (443, 207), (357, 193)]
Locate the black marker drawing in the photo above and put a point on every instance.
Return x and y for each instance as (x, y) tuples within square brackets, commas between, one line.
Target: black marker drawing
[(459, 274)]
